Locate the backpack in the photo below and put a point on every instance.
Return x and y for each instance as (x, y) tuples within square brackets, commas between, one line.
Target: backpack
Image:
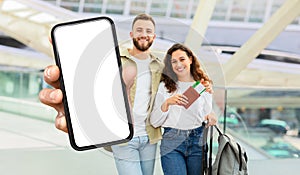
[(231, 158)]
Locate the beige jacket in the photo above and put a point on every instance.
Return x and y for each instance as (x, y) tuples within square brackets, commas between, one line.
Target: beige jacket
[(156, 67)]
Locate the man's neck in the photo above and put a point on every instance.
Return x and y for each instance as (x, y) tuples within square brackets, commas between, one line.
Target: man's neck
[(142, 55)]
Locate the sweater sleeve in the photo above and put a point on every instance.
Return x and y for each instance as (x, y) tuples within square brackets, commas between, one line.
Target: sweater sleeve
[(158, 117), (207, 106), (207, 102)]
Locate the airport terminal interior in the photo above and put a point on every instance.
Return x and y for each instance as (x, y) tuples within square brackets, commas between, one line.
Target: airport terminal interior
[(250, 49)]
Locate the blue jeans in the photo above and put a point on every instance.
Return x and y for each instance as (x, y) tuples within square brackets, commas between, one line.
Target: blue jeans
[(135, 158), (181, 151)]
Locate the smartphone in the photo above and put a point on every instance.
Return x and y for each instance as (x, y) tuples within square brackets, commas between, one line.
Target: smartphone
[(95, 100)]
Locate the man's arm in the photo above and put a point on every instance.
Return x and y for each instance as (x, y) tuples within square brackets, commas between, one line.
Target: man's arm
[(129, 74)]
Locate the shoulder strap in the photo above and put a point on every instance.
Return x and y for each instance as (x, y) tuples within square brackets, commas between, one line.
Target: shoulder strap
[(219, 131), (207, 166), (204, 149), (210, 151)]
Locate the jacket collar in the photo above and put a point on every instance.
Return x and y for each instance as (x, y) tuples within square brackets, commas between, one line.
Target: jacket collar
[(125, 53)]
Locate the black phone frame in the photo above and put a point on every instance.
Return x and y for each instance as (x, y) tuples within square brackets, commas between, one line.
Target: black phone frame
[(62, 86)]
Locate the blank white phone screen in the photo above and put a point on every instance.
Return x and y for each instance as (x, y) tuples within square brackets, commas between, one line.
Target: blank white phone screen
[(92, 82)]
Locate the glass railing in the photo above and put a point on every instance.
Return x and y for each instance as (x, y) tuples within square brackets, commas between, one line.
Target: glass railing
[(19, 93), (20, 83), (267, 120)]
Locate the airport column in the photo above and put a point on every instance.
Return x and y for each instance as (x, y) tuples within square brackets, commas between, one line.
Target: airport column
[(261, 39), (199, 25)]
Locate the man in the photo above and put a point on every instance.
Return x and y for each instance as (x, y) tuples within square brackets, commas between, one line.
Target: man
[(141, 74)]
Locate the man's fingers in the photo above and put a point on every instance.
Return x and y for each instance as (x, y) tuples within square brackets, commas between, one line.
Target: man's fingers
[(50, 40), (51, 76), (60, 122), (51, 97)]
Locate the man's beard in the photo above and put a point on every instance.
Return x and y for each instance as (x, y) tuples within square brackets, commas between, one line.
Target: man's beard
[(141, 47)]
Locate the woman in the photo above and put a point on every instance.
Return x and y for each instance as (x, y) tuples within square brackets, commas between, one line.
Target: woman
[(181, 151)]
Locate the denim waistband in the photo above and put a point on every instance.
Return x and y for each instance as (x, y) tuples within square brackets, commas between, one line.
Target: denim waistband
[(186, 132)]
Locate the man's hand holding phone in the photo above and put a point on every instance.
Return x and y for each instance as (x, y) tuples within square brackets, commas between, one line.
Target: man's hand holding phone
[(53, 97)]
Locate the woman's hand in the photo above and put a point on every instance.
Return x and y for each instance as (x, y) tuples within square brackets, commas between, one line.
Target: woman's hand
[(211, 118), (177, 99)]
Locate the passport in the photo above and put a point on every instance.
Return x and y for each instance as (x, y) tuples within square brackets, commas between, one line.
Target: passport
[(192, 96)]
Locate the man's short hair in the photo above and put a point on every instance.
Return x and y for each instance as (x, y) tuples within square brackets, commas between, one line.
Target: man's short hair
[(143, 16)]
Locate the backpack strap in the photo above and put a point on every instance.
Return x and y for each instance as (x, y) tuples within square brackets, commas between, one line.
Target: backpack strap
[(207, 166), (219, 131), (240, 156), (210, 151), (204, 149)]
